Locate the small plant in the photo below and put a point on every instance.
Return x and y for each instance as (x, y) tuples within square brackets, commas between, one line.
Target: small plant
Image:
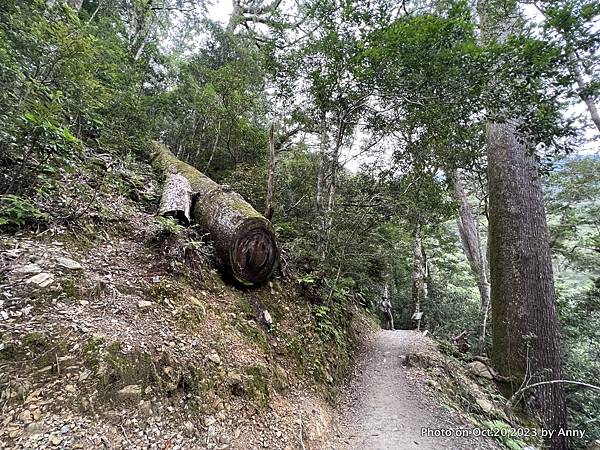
[(19, 211), (169, 226), (325, 324), (307, 279)]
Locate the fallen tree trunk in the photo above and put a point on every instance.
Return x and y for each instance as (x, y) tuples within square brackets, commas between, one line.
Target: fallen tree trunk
[(176, 200), (244, 240)]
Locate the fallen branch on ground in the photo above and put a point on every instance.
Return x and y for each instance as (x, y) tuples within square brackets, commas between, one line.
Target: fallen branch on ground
[(511, 401)]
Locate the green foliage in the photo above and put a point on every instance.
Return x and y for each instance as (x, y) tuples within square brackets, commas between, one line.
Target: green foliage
[(324, 323), (572, 197), (16, 211), (580, 320), (169, 225)]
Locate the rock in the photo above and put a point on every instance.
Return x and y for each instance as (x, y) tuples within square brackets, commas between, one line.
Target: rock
[(130, 391), (42, 279), (480, 369), (70, 388), (236, 384), (485, 405), (26, 416), (215, 358), (34, 428), (267, 319), (189, 426), (65, 429), (56, 439), (194, 301), (208, 421), (594, 445), (29, 269), (146, 408), (68, 263), (143, 304)]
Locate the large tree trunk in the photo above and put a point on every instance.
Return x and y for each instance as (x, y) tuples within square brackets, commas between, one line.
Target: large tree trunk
[(525, 327), (468, 229), (244, 240)]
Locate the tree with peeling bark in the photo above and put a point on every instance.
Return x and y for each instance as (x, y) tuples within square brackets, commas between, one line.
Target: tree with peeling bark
[(526, 333), (468, 228)]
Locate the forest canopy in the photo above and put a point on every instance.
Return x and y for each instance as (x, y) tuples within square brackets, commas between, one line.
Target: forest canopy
[(380, 138)]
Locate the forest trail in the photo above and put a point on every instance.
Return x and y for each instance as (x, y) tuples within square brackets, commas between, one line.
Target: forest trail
[(388, 405)]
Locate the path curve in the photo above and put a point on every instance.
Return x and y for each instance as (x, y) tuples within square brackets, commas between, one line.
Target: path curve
[(387, 407)]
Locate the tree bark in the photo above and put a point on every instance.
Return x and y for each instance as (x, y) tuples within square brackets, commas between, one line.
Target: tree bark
[(525, 327), (176, 200), (244, 240), (526, 333), (468, 229)]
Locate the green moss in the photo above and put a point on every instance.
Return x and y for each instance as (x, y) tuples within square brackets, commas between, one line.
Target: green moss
[(69, 288), (165, 289), (256, 384), (92, 352), (125, 369), (35, 349), (196, 381), (11, 352), (254, 335), (280, 380)]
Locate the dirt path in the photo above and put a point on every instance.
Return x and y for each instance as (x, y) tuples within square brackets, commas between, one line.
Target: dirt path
[(389, 407)]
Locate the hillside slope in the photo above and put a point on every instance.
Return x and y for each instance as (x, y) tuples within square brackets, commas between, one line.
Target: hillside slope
[(120, 332)]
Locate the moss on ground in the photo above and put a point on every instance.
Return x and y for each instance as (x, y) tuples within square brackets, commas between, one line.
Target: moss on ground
[(256, 384)]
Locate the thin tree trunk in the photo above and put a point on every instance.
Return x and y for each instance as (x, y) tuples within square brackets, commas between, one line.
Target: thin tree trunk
[(418, 275), (468, 229), (271, 175), (577, 74), (525, 327), (322, 156), (582, 85), (214, 149), (335, 162)]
